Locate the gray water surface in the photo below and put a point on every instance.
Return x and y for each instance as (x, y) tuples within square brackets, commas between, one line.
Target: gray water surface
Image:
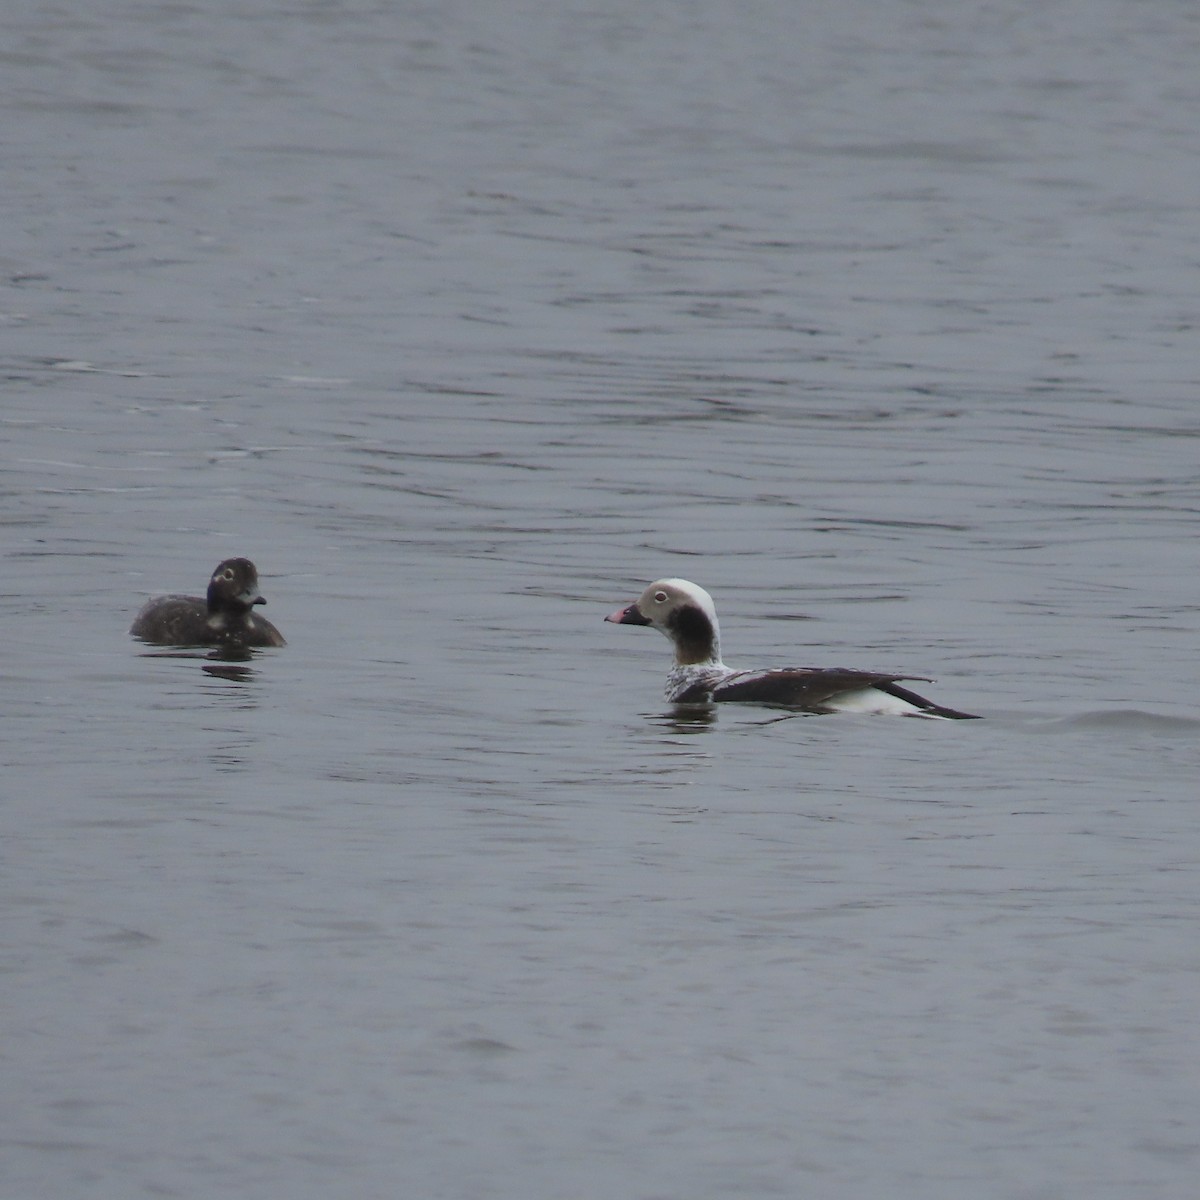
[(464, 321)]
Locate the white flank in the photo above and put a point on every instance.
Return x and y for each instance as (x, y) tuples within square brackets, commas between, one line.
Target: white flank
[(873, 702)]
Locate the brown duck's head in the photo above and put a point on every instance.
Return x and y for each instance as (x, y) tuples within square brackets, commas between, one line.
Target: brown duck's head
[(234, 586)]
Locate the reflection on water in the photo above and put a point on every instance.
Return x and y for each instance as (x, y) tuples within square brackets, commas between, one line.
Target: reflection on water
[(686, 718), (229, 670), (224, 662)]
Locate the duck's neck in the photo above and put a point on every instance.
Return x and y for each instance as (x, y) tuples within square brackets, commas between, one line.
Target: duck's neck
[(697, 638)]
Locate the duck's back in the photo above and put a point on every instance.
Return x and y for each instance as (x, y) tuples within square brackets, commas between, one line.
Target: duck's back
[(186, 621), (173, 621)]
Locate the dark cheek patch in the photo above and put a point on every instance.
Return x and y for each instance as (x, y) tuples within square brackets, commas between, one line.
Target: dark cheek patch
[(693, 632), (689, 623)]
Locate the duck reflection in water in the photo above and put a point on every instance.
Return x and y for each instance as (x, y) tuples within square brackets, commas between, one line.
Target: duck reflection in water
[(687, 718), (229, 662)]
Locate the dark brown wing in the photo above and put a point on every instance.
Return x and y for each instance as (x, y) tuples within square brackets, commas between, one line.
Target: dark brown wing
[(928, 706), (173, 621), (815, 689), (803, 687)]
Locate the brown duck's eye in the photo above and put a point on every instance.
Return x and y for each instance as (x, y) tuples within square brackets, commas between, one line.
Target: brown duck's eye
[(227, 573), (660, 597)]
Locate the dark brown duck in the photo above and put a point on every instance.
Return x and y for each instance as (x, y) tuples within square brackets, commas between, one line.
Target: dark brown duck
[(224, 617)]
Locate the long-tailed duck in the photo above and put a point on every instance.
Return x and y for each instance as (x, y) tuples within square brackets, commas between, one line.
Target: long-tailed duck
[(224, 618), (685, 613)]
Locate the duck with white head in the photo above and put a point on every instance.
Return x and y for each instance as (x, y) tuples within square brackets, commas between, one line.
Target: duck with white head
[(684, 612)]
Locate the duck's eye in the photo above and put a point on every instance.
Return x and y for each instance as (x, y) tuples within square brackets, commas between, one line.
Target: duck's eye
[(660, 597), (227, 573)]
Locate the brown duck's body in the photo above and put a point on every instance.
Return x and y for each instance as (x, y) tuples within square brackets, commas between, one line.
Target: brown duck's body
[(224, 617)]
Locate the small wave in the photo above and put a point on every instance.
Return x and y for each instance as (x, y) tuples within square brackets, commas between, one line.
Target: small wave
[(1132, 719)]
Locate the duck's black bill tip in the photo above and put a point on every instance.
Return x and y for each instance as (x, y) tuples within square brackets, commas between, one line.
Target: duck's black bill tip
[(630, 615)]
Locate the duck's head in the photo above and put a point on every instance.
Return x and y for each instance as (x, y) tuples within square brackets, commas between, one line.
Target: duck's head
[(681, 610)]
